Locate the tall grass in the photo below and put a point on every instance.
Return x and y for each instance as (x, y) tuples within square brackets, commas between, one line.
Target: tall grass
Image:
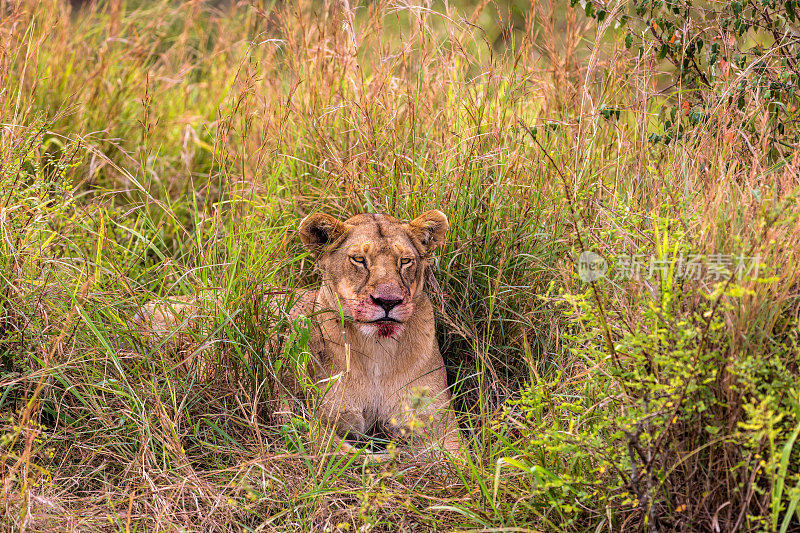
[(156, 150)]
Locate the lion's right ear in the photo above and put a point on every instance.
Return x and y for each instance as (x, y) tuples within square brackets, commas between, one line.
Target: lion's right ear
[(319, 230)]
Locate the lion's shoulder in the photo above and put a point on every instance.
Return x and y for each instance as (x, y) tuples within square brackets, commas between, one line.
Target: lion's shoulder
[(304, 305)]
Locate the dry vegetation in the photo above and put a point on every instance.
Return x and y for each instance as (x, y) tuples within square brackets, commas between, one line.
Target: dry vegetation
[(157, 149)]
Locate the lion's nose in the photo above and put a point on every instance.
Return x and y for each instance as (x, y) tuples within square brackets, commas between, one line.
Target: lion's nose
[(386, 302)]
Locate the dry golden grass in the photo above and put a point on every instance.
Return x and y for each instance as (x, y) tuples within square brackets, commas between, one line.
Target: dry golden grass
[(158, 149)]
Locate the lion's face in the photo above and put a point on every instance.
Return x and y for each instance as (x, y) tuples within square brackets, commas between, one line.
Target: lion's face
[(373, 265)]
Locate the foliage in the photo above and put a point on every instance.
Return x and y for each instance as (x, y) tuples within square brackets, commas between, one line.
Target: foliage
[(738, 54), (153, 150), (679, 426)]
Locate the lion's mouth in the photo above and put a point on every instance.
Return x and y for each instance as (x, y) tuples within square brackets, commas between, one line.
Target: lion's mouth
[(387, 326), (385, 320)]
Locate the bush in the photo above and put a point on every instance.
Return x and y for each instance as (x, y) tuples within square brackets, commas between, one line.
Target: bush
[(740, 55), (688, 422)]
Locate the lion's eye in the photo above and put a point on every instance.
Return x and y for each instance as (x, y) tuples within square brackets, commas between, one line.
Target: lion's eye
[(405, 260), (359, 260)]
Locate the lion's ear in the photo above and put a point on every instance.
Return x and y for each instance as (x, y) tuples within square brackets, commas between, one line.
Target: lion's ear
[(430, 228), (319, 230)]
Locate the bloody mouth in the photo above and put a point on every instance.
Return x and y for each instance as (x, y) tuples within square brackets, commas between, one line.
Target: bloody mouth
[(387, 328)]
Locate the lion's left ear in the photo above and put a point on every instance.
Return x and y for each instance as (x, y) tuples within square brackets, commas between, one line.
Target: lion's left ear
[(430, 228)]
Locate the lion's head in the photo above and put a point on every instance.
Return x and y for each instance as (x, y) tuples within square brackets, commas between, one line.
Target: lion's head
[(374, 265)]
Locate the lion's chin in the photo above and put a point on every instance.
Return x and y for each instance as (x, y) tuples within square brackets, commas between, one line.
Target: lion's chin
[(382, 330)]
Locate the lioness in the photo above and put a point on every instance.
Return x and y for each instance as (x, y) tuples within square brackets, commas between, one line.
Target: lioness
[(385, 349), (374, 351)]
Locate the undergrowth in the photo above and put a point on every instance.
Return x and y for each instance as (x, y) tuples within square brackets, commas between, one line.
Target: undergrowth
[(618, 312)]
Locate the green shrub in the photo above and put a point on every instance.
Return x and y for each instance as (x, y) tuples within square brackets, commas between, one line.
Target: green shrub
[(737, 54), (680, 426)]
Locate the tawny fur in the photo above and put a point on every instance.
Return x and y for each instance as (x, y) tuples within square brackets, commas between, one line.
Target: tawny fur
[(387, 372), (384, 379)]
